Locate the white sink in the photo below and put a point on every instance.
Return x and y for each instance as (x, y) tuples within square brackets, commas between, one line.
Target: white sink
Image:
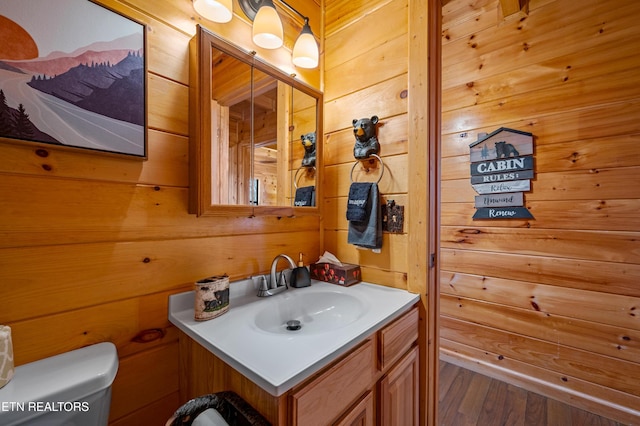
[(309, 311), (252, 335)]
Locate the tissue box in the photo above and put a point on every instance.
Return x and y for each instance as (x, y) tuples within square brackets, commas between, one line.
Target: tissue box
[(346, 275)]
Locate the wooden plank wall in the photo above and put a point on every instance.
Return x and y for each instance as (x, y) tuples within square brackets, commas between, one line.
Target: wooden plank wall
[(366, 75), (373, 64), (551, 303), (91, 246), (376, 59)]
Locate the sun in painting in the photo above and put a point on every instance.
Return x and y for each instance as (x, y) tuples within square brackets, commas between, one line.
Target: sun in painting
[(17, 43)]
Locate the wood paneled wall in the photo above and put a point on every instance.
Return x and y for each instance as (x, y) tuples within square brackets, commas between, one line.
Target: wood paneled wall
[(377, 63), (551, 303), (91, 246), (366, 75)]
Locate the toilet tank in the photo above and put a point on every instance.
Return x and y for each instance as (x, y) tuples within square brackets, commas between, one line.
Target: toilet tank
[(73, 388)]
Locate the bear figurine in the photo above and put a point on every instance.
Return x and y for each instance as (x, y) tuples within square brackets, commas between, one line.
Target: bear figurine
[(309, 143), (367, 143)]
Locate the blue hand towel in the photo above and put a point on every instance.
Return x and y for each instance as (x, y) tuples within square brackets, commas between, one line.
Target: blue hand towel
[(357, 209), (367, 233), (305, 196)]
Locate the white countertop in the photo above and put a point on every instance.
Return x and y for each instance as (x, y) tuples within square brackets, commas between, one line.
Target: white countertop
[(278, 361)]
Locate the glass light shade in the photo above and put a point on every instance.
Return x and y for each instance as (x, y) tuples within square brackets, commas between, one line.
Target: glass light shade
[(305, 50), (214, 10), (267, 27)]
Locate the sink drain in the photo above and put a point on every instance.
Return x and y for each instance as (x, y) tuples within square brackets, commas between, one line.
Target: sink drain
[(293, 325)]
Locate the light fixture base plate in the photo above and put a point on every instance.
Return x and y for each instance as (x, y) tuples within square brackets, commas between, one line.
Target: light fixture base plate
[(250, 7)]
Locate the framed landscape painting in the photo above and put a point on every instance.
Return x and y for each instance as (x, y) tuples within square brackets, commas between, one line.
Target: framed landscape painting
[(73, 73)]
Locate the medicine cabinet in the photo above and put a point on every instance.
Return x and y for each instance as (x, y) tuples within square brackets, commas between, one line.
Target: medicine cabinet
[(246, 122)]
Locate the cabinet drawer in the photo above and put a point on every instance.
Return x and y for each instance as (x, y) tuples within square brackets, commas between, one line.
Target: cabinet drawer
[(397, 338), (325, 398)]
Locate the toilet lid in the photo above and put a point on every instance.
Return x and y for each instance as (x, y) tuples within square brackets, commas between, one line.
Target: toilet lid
[(67, 377)]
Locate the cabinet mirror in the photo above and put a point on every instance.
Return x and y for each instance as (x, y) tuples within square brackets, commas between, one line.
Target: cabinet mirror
[(255, 134)]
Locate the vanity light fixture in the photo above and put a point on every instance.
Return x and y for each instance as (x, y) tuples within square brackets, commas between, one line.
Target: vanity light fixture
[(214, 10), (268, 32)]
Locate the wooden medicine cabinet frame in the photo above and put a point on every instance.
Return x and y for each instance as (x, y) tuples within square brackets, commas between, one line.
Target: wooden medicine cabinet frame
[(202, 155)]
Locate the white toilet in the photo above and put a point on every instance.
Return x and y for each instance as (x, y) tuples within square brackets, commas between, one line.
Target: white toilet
[(73, 388)]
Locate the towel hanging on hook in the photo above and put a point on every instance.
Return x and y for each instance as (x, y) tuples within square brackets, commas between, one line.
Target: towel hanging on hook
[(305, 196), (363, 204), (364, 216)]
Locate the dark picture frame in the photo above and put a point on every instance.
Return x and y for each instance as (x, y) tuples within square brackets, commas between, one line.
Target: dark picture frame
[(73, 73)]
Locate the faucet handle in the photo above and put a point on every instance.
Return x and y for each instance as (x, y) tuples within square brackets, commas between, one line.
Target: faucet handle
[(283, 280), (264, 285)]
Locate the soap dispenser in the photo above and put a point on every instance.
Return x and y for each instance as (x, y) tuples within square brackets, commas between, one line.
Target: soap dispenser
[(300, 275)]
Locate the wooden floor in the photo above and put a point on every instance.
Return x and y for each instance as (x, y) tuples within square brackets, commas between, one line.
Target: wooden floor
[(468, 398)]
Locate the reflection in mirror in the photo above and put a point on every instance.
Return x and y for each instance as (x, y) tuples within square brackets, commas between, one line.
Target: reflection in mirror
[(248, 123), (269, 139), (230, 113), (303, 134)]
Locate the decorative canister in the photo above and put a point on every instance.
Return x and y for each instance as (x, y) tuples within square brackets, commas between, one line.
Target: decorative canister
[(6, 355), (212, 297)]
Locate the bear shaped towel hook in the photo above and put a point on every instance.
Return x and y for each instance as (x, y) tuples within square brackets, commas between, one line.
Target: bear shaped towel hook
[(308, 163), (367, 146), (308, 141), (367, 143)]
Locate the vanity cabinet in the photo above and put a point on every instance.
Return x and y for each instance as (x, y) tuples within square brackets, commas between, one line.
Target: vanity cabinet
[(375, 383), (376, 380)]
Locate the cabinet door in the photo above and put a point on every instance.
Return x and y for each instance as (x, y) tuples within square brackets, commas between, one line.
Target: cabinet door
[(360, 415), (322, 401), (399, 392)]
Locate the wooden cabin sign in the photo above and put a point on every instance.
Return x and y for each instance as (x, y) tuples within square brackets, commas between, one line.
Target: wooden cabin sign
[(501, 171)]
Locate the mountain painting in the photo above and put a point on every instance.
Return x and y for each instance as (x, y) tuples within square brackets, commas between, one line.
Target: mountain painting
[(72, 73)]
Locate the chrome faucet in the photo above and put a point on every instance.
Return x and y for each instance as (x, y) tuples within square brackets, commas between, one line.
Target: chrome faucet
[(275, 284)]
